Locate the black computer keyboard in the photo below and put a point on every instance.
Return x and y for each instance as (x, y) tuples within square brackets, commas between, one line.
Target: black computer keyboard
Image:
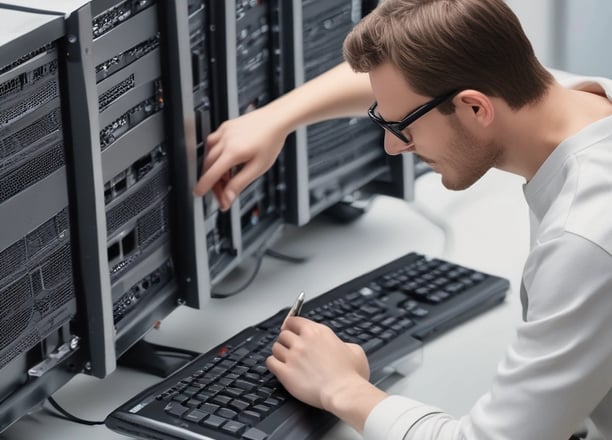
[(228, 394)]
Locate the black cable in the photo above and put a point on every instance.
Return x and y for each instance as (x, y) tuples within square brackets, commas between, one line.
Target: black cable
[(246, 283), (67, 416), (283, 257)]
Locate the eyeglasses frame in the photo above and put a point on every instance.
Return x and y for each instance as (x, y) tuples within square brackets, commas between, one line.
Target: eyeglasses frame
[(396, 127)]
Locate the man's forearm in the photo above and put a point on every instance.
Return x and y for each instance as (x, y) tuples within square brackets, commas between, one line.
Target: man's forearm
[(352, 403), (339, 92)]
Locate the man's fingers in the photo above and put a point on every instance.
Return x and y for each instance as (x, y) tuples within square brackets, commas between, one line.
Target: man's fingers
[(275, 365), (279, 351), (241, 179), (217, 190), (212, 155), (226, 189), (295, 324), (213, 137), (211, 175)]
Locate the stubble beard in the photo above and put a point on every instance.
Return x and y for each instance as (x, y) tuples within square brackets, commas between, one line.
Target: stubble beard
[(469, 159)]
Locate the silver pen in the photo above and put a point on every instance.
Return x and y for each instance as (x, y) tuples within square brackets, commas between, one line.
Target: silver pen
[(296, 308)]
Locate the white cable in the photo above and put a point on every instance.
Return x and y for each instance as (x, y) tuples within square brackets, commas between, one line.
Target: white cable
[(440, 223)]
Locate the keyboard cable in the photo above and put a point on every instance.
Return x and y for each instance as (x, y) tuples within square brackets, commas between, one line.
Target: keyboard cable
[(284, 257), (438, 222), (63, 414), (258, 260)]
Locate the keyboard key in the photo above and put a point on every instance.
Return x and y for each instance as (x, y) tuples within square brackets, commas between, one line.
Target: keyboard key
[(250, 417), (176, 409), (239, 405), (262, 409), (214, 421), (192, 403), (226, 413), (180, 398), (221, 399), (254, 434), (195, 416), (251, 397), (234, 427), (210, 408)]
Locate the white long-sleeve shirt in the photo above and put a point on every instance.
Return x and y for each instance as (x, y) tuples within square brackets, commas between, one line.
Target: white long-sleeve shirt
[(558, 371)]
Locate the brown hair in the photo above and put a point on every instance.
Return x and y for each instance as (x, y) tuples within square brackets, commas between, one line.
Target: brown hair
[(445, 45)]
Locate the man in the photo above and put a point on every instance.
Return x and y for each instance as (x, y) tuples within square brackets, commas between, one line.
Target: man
[(463, 88)]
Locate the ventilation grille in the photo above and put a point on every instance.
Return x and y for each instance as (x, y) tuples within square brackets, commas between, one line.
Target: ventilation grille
[(20, 346), (39, 301), (148, 193), (323, 35), (113, 17), (31, 98), (129, 177), (145, 288), (21, 252), (126, 58), (132, 117), (31, 172), (149, 228), (13, 144), (116, 92), (49, 47)]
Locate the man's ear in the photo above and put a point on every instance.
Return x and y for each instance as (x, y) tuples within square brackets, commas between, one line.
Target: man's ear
[(472, 105)]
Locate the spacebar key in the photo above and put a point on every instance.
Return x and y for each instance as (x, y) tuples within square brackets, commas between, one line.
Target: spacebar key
[(254, 434)]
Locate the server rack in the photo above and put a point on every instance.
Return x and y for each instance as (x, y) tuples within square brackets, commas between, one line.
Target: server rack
[(331, 160), (145, 164), (243, 45), (221, 236), (39, 339), (131, 172)]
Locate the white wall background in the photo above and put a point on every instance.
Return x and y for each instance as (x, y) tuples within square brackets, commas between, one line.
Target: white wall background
[(572, 35), (588, 37), (535, 18)]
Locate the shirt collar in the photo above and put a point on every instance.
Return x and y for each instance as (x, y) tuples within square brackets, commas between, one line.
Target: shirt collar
[(542, 189)]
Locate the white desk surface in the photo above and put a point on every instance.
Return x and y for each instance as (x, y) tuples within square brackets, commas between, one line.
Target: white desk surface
[(484, 227)]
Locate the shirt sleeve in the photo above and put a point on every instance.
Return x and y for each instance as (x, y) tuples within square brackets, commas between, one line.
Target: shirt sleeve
[(554, 373)]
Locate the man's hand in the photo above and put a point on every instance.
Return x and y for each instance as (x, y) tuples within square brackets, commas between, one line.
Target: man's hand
[(251, 142), (318, 368)]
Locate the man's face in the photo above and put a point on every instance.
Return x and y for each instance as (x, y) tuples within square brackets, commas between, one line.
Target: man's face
[(441, 141)]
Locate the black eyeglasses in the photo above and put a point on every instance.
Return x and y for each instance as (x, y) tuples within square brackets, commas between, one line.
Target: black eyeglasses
[(396, 127)]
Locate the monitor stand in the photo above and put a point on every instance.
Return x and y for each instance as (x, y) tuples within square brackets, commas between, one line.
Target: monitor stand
[(347, 211), (155, 359)]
